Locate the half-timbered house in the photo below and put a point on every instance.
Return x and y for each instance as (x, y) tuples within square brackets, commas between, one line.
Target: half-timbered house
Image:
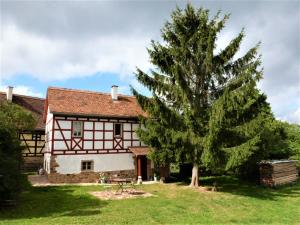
[(88, 133), (33, 140)]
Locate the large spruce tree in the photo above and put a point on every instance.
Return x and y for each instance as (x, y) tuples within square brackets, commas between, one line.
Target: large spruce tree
[(205, 107)]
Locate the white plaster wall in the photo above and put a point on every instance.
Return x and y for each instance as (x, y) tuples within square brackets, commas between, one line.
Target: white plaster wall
[(49, 115), (98, 144), (61, 145), (47, 162), (136, 143), (68, 164), (108, 126), (127, 127), (67, 134), (127, 144), (64, 124), (98, 125), (48, 131), (135, 126), (88, 145), (88, 135), (58, 135), (108, 135), (88, 125), (108, 145), (127, 135), (98, 135)]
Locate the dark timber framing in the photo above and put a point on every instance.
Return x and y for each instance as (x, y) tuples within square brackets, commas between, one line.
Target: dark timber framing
[(75, 145), (34, 142)]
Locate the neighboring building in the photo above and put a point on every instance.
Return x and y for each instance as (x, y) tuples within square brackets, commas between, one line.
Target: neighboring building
[(34, 141), (91, 132)]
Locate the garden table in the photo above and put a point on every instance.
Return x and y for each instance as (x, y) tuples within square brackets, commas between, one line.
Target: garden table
[(122, 183)]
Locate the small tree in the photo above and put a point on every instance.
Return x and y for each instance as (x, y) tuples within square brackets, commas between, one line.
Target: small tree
[(291, 141), (205, 107), (12, 119)]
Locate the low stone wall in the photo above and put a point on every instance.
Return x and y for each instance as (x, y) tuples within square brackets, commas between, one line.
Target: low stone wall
[(89, 177), (32, 164)]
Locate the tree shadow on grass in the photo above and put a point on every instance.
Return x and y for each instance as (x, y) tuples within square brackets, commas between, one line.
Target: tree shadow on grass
[(53, 201), (235, 186)]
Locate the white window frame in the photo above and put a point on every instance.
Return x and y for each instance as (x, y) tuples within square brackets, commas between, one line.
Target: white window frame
[(121, 129), (86, 162), (77, 133)]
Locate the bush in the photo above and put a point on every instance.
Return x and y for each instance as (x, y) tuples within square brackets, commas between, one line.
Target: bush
[(12, 119), (10, 160)]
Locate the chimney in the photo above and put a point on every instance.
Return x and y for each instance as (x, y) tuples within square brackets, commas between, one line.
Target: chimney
[(9, 93), (114, 92)]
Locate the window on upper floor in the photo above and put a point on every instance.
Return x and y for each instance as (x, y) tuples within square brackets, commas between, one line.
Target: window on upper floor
[(117, 129), (77, 129)]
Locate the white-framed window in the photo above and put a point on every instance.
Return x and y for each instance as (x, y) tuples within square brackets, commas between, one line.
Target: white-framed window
[(118, 130), (77, 129), (87, 166)]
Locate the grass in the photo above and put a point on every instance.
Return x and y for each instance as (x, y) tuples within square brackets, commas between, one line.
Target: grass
[(236, 202)]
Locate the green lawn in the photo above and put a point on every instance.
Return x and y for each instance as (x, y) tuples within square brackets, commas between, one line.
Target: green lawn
[(236, 203)]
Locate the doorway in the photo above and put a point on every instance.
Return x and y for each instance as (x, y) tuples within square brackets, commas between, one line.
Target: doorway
[(144, 167)]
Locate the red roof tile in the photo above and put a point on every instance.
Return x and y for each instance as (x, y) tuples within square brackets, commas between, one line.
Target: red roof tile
[(33, 104), (79, 102)]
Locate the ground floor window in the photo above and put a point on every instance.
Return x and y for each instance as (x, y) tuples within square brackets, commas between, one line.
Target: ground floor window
[(87, 165)]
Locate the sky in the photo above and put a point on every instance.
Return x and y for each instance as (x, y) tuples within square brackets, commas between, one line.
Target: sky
[(93, 45)]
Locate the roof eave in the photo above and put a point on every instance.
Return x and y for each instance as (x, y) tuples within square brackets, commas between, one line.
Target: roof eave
[(95, 115)]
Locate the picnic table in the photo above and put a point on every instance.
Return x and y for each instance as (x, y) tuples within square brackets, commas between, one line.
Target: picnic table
[(123, 183)]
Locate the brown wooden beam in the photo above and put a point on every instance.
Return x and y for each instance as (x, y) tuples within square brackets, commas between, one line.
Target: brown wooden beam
[(139, 166)]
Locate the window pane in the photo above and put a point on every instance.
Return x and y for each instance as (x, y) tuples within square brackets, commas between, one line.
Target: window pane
[(77, 128), (117, 129), (87, 165)]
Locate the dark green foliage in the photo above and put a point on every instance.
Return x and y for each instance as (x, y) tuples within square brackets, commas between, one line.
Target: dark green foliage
[(10, 159), (12, 118), (15, 117), (290, 134), (205, 108)]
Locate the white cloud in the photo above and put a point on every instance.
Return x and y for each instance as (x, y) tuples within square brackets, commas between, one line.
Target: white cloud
[(58, 41), (292, 117), (60, 59), (22, 90)]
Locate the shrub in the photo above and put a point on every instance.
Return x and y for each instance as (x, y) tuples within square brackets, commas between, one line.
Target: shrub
[(10, 160), (12, 119)]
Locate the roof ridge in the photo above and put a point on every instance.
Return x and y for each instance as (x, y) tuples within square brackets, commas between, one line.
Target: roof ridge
[(87, 91), (26, 96)]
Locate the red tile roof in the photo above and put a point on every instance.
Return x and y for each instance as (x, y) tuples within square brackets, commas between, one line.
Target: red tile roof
[(79, 102), (33, 104), (139, 150)]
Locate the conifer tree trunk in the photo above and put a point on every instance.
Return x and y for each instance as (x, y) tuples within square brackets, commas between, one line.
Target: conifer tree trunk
[(195, 176), (195, 171)]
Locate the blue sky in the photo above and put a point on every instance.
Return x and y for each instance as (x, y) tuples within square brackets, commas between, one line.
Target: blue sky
[(94, 82), (95, 44)]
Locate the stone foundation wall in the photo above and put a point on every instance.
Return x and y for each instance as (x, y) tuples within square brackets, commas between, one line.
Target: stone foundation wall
[(89, 177), (84, 177), (32, 164)]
